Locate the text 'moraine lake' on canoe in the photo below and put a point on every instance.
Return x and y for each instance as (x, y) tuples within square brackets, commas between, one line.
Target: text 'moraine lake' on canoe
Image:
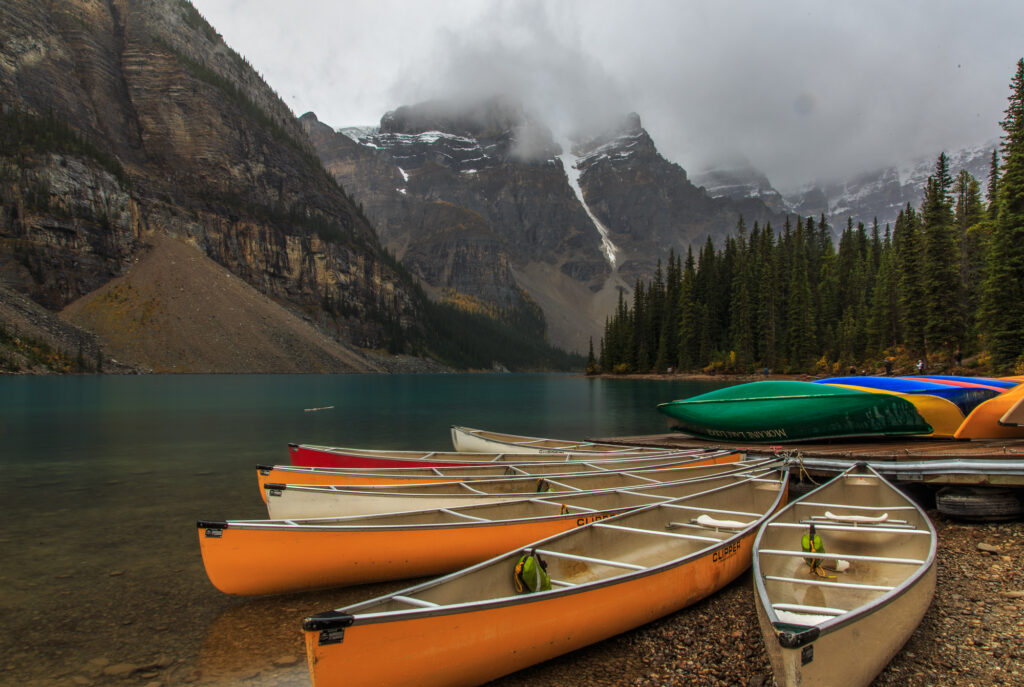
[(826, 625), (249, 557), (299, 474), (310, 455), (288, 501), (772, 411), (469, 440), (605, 578)]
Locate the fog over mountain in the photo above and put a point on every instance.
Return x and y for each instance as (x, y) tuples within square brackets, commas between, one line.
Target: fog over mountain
[(807, 93)]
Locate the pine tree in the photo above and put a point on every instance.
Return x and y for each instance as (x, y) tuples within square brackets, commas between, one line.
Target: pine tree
[(909, 257), (688, 355), (941, 261), (992, 192), (1004, 286), (971, 221)]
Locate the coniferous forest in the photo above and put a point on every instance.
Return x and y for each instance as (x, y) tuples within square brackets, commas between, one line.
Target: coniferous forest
[(943, 285)]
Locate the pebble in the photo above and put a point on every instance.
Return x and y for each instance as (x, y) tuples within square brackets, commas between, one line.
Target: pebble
[(120, 670)]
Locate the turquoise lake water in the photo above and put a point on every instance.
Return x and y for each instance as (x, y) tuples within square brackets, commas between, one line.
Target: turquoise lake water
[(105, 477)]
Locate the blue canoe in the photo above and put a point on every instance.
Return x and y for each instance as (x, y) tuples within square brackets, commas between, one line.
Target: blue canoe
[(966, 398)]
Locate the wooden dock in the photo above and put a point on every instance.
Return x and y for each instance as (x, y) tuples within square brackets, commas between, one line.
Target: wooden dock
[(996, 462)]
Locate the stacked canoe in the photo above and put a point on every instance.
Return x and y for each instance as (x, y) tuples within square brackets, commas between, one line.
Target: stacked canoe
[(856, 406)]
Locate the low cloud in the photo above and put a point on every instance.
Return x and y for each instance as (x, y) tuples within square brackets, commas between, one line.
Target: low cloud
[(805, 91)]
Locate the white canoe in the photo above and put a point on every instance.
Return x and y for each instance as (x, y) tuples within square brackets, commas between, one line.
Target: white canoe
[(468, 440), (471, 627), (824, 626), (290, 501)]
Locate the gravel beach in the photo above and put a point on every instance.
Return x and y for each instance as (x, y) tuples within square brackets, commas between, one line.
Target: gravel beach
[(972, 634)]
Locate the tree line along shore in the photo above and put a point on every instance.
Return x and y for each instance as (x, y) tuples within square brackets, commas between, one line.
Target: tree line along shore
[(944, 286)]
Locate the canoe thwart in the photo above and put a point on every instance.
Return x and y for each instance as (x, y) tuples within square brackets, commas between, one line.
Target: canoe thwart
[(589, 559), (825, 527), (845, 556), (419, 603), (694, 537), (849, 506), (818, 582)]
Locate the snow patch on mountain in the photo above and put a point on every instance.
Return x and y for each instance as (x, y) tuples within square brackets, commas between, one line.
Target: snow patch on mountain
[(571, 165)]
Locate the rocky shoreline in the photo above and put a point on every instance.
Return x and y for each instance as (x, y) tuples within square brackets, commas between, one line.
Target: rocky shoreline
[(972, 634)]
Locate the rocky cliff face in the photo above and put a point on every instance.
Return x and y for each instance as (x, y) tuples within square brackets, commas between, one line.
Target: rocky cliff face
[(473, 200), (648, 204), (481, 199), (161, 128)]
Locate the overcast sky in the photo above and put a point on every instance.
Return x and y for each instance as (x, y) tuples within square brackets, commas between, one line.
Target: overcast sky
[(803, 90)]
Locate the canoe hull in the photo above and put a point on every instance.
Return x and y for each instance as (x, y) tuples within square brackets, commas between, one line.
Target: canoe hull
[(844, 625), (859, 651), (986, 421), (266, 561), (792, 411), (320, 457), (476, 649), (469, 440)]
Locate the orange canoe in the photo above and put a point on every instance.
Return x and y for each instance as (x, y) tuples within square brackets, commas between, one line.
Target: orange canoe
[(984, 422), (276, 556), (297, 474), (605, 578), (290, 501)]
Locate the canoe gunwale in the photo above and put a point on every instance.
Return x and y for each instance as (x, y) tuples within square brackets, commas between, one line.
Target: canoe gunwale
[(324, 620), (795, 639)]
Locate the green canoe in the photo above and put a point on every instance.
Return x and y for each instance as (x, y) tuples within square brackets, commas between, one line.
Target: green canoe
[(792, 411)]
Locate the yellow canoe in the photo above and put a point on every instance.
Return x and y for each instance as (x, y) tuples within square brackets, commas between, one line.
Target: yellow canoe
[(943, 415), (608, 577)]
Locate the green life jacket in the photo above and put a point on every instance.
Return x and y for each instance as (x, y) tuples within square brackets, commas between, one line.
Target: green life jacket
[(531, 574), (818, 547)]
